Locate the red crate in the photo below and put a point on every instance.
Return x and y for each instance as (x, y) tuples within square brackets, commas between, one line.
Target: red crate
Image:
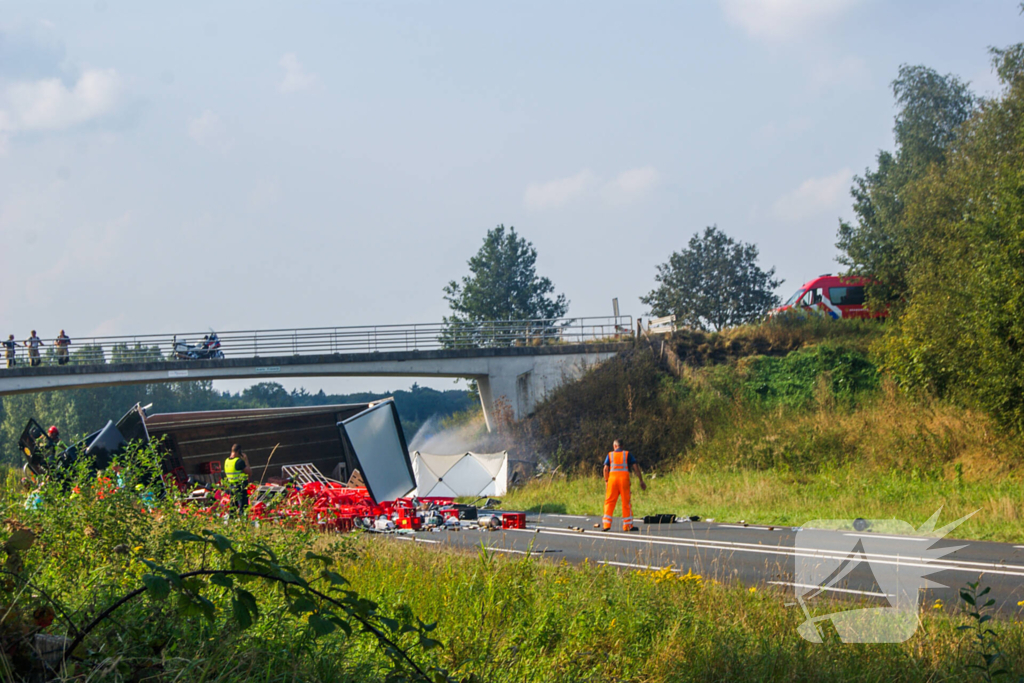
[(414, 523), (513, 520)]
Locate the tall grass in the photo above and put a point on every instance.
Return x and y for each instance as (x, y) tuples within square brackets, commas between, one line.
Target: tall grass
[(529, 620), (499, 619)]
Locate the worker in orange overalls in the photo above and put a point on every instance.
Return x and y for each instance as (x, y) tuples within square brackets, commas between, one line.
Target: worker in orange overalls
[(616, 477)]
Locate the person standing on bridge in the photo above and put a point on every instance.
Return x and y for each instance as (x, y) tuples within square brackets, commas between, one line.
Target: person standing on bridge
[(236, 473), (33, 343), (617, 466), (10, 348), (62, 342)]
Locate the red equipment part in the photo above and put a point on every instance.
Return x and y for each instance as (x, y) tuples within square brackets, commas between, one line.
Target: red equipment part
[(513, 520)]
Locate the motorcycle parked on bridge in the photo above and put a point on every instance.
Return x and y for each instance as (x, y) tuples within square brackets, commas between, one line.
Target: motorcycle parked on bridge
[(208, 349)]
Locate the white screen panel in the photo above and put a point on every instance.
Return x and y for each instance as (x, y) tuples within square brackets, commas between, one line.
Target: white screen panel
[(380, 450)]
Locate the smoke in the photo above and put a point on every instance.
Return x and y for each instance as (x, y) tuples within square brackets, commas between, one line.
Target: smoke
[(471, 436)]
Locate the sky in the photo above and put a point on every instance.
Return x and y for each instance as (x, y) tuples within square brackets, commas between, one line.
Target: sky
[(250, 165)]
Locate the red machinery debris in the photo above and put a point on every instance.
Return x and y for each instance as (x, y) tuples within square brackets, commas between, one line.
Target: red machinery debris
[(314, 501)]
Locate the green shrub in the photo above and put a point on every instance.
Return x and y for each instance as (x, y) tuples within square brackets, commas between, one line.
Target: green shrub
[(800, 377)]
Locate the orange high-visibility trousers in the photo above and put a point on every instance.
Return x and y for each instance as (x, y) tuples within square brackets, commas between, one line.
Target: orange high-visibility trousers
[(618, 484)]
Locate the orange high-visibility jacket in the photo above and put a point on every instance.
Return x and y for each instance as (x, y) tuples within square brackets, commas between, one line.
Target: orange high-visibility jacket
[(618, 485)]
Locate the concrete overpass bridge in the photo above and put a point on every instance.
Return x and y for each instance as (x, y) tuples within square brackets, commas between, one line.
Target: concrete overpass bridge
[(516, 364)]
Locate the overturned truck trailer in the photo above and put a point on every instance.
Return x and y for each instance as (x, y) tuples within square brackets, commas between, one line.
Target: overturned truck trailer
[(337, 440)]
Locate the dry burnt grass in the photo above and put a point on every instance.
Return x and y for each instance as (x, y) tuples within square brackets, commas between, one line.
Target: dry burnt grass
[(777, 336), (666, 394), (620, 399)]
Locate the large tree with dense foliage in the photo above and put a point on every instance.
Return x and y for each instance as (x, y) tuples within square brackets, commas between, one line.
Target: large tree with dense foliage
[(715, 282), (881, 242), (503, 284), (961, 333)]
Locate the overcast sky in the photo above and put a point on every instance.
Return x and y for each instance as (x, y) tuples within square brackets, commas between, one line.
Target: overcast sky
[(239, 165)]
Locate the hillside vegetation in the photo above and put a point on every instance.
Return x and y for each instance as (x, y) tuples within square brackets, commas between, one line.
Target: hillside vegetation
[(777, 423)]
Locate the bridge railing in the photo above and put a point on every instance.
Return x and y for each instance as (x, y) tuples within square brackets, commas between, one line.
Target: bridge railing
[(334, 340)]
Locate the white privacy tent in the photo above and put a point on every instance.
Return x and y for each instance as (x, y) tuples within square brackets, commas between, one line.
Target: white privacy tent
[(465, 474)]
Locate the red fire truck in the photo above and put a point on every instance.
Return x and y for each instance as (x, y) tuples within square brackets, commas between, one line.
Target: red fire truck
[(835, 296)]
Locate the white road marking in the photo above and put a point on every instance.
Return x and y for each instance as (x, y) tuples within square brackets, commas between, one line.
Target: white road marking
[(523, 552), (631, 565), (414, 539), (893, 538), (760, 549), (827, 588), (741, 526)]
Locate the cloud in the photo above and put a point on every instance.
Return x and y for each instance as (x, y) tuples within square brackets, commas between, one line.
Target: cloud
[(208, 130), (814, 196), (627, 187), (776, 20), (631, 185), (48, 104), (295, 77), (559, 192)]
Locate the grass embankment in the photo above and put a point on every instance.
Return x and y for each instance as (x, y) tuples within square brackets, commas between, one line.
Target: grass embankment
[(519, 620), (805, 428), (498, 618)]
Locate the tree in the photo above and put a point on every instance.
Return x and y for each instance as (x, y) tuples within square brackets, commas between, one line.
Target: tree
[(267, 395), (503, 284), (960, 334), (714, 283), (932, 109)]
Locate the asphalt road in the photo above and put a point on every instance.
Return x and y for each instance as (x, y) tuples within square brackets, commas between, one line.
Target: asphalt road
[(763, 556)]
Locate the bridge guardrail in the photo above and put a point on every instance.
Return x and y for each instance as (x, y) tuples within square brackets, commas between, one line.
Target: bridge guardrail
[(338, 340)]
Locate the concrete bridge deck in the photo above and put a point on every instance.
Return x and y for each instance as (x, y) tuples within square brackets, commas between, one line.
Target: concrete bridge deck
[(515, 365)]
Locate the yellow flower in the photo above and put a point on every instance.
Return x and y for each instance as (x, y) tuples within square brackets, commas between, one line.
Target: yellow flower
[(753, 589), (1020, 604), (691, 577), (937, 605)]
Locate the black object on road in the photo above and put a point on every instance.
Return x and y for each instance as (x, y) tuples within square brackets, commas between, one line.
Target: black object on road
[(659, 519)]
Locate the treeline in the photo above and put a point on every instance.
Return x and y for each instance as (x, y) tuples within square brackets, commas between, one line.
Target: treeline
[(81, 411), (940, 225)]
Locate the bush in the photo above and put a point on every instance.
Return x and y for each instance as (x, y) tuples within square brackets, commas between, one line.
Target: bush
[(825, 373), (112, 570)]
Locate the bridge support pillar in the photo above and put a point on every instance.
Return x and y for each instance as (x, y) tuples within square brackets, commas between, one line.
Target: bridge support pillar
[(514, 387)]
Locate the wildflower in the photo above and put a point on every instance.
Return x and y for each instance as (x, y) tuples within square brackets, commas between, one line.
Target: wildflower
[(690, 577), (753, 589), (938, 604)]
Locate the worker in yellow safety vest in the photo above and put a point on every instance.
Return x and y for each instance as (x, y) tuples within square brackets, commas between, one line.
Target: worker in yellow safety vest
[(236, 474), (616, 477)]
